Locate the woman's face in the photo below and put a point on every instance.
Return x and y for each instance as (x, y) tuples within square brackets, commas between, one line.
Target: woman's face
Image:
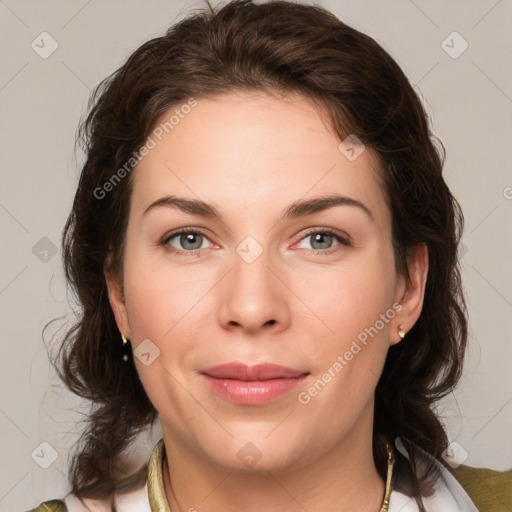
[(244, 175)]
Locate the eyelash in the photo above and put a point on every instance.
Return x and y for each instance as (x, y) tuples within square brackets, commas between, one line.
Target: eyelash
[(343, 241)]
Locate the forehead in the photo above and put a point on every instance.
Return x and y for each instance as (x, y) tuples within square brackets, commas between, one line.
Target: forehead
[(251, 151)]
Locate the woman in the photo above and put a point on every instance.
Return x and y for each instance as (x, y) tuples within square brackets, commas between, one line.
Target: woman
[(294, 351)]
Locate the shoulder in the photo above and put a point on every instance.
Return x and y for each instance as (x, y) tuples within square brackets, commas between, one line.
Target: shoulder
[(131, 497), (51, 506), (489, 490), (132, 500), (464, 489)]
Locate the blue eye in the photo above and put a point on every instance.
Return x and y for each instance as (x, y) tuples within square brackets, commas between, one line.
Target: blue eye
[(191, 241), (324, 237)]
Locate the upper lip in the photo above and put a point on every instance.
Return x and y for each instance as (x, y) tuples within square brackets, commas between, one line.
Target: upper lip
[(241, 371)]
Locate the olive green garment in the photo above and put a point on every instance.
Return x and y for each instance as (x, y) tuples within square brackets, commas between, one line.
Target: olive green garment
[(51, 506), (489, 490)]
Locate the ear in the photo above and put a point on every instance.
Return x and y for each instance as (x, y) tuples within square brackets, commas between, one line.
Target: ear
[(411, 292), (116, 298)]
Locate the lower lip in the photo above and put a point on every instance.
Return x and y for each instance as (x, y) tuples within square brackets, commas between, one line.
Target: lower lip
[(252, 392)]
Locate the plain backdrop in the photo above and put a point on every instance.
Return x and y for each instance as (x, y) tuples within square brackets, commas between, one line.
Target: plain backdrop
[(467, 93)]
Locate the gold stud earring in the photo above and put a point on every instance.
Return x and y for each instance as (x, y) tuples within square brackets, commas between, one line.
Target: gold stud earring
[(401, 331), (125, 347)]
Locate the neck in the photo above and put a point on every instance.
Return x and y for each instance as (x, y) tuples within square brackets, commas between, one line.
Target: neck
[(343, 478)]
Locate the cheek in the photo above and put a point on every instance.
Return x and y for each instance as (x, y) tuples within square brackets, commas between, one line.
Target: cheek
[(161, 305), (158, 296), (351, 298), (169, 307), (358, 309)]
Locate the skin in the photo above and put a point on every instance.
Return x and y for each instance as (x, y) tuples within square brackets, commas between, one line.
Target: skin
[(296, 305)]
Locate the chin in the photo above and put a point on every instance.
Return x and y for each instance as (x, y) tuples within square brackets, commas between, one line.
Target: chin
[(255, 448)]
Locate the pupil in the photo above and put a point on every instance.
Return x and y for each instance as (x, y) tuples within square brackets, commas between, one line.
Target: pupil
[(320, 236), (189, 238)]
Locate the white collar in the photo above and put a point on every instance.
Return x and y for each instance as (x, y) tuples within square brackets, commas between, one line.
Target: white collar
[(449, 495)]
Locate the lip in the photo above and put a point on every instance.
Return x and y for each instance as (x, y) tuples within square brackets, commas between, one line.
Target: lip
[(252, 385), (241, 371)]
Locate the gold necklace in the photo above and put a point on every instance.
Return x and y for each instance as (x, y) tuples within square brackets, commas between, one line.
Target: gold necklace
[(387, 494), (158, 500)]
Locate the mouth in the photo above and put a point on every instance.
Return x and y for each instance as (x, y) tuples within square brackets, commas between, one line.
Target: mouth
[(252, 385)]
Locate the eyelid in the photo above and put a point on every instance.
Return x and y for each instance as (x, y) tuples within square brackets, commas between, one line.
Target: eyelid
[(189, 229), (343, 238)]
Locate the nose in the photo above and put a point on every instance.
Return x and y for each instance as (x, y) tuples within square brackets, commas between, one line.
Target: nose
[(253, 297)]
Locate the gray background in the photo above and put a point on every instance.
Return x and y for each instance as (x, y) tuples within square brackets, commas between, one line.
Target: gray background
[(41, 101)]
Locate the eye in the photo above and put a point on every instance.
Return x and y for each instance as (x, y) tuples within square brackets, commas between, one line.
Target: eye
[(189, 241), (321, 240)]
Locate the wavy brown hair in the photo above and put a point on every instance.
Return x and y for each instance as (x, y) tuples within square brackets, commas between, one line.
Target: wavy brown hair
[(275, 47)]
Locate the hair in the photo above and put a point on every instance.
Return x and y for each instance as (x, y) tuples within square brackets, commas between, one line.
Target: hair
[(273, 47)]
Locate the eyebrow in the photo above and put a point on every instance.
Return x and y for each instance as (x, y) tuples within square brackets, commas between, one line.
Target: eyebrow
[(299, 208)]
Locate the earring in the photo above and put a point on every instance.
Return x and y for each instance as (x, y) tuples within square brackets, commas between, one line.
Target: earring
[(401, 331), (125, 343)]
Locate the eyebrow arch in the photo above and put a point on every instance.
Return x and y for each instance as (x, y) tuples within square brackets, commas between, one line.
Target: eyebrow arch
[(299, 208)]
